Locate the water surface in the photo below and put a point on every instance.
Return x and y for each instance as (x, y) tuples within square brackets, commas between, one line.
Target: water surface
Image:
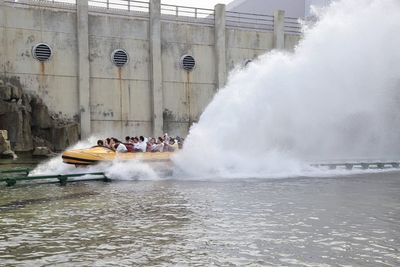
[(340, 221)]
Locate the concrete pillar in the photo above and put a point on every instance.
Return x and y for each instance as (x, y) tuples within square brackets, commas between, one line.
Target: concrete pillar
[(83, 66), (155, 67), (2, 13), (279, 29), (220, 44), (2, 37)]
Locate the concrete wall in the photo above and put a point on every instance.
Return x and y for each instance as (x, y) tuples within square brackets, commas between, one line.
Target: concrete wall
[(55, 80), (127, 100), (119, 97), (186, 93)]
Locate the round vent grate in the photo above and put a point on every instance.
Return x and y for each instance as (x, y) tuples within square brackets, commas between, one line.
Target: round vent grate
[(41, 52), (187, 62), (119, 57)]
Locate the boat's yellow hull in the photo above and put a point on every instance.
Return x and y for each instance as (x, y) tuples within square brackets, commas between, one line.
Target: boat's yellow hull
[(90, 156)]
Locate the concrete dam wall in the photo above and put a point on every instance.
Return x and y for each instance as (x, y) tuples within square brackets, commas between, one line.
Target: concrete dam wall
[(123, 71)]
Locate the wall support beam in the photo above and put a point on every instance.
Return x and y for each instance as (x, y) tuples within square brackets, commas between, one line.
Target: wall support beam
[(83, 66), (3, 37), (155, 67), (1, 9), (220, 44), (279, 30)]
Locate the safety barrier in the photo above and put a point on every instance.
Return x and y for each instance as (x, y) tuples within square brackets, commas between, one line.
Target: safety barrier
[(292, 25), (59, 4), (249, 21), (172, 13), (362, 164), (12, 176), (127, 5), (187, 14)]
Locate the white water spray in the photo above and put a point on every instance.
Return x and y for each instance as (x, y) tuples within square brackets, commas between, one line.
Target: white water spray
[(117, 169), (336, 97)]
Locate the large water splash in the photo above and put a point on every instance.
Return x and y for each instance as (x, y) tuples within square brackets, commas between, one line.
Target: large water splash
[(117, 169), (335, 97)]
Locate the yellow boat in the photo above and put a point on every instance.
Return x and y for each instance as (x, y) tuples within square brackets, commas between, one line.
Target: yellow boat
[(96, 154)]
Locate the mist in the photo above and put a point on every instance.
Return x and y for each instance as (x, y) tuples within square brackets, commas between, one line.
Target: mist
[(335, 98)]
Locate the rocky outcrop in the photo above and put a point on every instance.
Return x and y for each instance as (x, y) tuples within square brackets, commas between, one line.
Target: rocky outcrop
[(15, 116), (65, 135), (42, 151), (29, 122), (5, 147)]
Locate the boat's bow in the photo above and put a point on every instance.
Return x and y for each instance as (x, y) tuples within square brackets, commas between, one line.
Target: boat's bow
[(88, 156)]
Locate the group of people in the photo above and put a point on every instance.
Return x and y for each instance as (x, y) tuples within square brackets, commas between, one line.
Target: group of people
[(143, 144)]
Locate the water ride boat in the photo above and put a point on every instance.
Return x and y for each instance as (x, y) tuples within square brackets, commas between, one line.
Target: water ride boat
[(96, 154)]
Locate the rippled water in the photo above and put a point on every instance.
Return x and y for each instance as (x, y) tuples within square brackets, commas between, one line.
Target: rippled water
[(341, 221)]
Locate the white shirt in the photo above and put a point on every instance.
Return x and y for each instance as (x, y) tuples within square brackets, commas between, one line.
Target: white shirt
[(142, 146), (156, 148), (122, 148)]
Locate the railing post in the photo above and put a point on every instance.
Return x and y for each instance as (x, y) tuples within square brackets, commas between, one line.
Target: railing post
[(82, 29), (155, 67), (129, 5), (176, 11), (195, 13), (279, 31), (220, 44)]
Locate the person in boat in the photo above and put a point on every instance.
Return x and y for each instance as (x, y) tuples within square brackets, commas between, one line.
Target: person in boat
[(148, 145), (112, 143), (179, 140), (107, 142), (135, 143), (100, 143), (142, 145), (159, 145), (119, 146), (171, 146), (152, 145), (174, 144), (166, 138), (128, 144)]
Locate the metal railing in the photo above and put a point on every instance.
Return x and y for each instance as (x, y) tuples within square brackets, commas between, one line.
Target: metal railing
[(121, 5), (175, 13), (187, 14), (292, 25), (63, 4), (249, 21), (73, 2)]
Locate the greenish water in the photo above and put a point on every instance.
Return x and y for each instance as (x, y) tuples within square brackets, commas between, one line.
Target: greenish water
[(337, 221), (23, 161)]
